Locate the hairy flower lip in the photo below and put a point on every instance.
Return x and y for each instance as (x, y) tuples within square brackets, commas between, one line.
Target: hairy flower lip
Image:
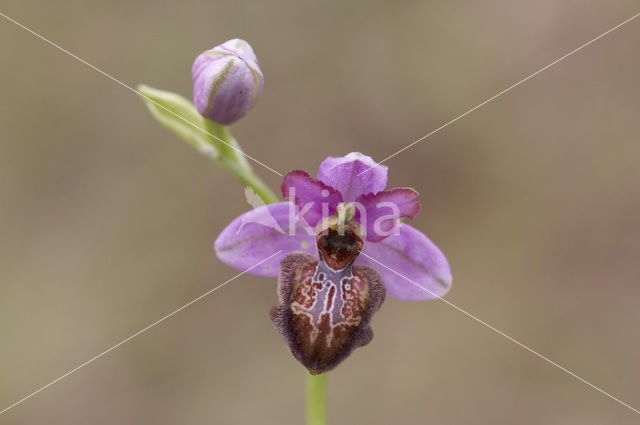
[(258, 233), (324, 314)]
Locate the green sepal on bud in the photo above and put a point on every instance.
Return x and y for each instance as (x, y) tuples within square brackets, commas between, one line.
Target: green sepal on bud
[(179, 115)]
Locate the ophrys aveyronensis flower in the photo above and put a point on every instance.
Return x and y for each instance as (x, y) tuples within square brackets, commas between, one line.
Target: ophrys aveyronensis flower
[(328, 291)]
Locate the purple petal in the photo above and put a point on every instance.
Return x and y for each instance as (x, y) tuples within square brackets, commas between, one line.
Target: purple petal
[(412, 267), (259, 233), (341, 173), (241, 49), (314, 199), (379, 212)]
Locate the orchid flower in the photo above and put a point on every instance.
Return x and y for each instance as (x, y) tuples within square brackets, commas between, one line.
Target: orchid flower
[(349, 190)]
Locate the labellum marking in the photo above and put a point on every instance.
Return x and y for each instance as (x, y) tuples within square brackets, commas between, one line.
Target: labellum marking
[(326, 303)]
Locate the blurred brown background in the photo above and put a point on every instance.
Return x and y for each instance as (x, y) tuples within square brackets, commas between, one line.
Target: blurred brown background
[(107, 220)]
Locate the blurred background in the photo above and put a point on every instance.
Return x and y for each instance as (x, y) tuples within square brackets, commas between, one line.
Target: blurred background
[(107, 220)]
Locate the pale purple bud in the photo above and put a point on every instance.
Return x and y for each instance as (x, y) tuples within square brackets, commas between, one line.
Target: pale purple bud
[(226, 81)]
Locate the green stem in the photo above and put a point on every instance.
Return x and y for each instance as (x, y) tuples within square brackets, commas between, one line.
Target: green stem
[(232, 149), (249, 178), (317, 399), (236, 163)]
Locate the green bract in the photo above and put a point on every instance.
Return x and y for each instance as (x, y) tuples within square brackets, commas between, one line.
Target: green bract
[(212, 139)]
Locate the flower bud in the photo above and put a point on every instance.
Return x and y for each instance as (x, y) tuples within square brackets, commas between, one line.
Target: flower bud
[(226, 81)]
